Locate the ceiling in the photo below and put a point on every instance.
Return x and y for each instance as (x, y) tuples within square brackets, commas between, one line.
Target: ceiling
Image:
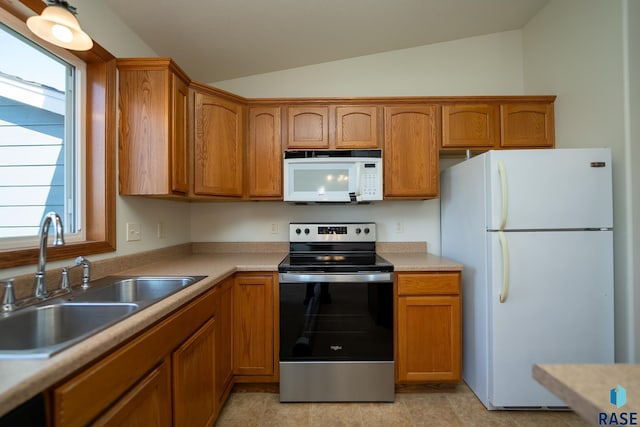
[(215, 40)]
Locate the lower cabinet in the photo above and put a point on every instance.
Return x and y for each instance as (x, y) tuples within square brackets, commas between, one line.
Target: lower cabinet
[(429, 327), (224, 340), (194, 379), (148, 403), (253, 327)]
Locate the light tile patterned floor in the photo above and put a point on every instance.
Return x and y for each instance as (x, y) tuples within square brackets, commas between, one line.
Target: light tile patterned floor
[(448, 408)]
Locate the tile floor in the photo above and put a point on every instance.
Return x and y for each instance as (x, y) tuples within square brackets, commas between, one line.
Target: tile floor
[(452, 407)]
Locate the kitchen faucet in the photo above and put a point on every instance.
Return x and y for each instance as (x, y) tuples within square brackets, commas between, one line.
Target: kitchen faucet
[(40, 288)]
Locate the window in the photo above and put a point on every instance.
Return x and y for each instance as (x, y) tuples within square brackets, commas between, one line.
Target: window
[(95, 181), (41, 142)]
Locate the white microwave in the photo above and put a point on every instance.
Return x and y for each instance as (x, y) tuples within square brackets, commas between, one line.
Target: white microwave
[(333, 176)]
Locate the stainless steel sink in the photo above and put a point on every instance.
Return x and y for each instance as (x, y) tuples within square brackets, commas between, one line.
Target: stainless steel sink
[(41, 331), (137, 289)]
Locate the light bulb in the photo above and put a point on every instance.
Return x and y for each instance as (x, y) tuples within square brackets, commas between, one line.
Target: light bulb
[(62, 33)]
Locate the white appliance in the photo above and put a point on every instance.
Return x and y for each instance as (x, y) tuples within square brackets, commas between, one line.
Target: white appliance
[(333, 176), (533, 229)]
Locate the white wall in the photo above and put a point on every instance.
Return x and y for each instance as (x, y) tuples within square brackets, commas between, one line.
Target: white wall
[(483, 65), (408, 221), (632, 9), (575, 49)]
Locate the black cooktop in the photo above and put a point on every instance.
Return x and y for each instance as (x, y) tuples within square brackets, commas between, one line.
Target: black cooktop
[(334, 262)]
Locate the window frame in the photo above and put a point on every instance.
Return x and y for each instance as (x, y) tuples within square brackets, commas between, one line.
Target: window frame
[(100, 135)]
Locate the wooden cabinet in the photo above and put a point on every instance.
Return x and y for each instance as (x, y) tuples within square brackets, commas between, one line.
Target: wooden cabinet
[(429, 327), (332, 126), (470, 126), (411, 140), (218, 145), (308, 127), (264, 154), (528, 125), (153, 132), (224, 340), (147, 403), (253, 325), (194, 372), (356, 126)]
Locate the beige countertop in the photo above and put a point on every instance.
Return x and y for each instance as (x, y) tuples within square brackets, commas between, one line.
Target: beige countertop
[(420, 261), (586, 388), (22, 379)]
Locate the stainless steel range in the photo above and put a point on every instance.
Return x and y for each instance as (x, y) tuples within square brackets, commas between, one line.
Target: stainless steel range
[(336, 316)]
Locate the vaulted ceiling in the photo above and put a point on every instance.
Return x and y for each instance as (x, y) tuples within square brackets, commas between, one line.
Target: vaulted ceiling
[(215, 40)]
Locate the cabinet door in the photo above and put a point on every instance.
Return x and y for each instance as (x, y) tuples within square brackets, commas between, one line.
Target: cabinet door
[(429, 338), (179, 136), (265, 153), (143, 146), (356, 127), (218, 148), (224, 339), (527, 125), (411, 151), (470, 126), (194, 379), (308, 127), (147, 403), (253, 325)]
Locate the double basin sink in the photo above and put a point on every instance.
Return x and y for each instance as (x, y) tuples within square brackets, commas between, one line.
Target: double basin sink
[(42, 330)]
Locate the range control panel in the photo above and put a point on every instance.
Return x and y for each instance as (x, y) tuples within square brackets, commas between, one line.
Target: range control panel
[(343, 232)]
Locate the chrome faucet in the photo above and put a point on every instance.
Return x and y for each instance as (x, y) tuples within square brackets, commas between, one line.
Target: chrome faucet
[(40, 288)]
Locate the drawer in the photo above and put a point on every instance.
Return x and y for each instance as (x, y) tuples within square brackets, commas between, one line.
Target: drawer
[(428, 283)]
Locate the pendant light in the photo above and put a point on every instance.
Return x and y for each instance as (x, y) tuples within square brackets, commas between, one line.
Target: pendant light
[(58, 25)]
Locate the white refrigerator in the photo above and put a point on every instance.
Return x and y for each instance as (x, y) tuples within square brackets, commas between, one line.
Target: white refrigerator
[(533, 229)]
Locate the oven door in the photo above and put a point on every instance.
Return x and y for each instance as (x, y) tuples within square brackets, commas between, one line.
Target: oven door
[(336, 317)]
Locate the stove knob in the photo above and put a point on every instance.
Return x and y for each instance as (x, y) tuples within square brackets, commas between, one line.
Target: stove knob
[(358, 230), (298, 231), (306, 231), (366, 230)]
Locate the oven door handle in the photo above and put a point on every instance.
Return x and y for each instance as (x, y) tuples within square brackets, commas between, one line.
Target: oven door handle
[(304, 277)]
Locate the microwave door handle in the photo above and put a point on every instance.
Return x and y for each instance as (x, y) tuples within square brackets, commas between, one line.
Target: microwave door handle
[(356, 196)]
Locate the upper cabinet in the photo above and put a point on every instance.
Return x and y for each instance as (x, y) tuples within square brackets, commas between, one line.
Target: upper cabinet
[(153, 134), (308, 127), (187, 140), (411, 151), (356, 126), (527, 125), (331, 126), (218, 145), (467, 126), (508, 122), (264, 175)]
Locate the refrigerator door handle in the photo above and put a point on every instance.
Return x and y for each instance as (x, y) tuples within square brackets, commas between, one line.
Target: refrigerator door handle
[(505, 267), (503, 187)]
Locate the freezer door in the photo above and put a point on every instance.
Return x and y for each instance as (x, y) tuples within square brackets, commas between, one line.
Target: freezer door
[(559, 309), (550, 189)]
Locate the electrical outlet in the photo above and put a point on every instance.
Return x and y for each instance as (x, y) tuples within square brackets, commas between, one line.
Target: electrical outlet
[(399, 227), (133, 232), (160, 232), (274, 228)]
